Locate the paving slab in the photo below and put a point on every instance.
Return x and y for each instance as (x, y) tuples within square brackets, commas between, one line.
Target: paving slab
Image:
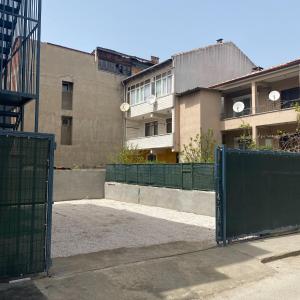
[(192, 275)]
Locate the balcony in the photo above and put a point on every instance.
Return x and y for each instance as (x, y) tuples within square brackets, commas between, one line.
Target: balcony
[(162, 103), (266, 107), (152, 142)]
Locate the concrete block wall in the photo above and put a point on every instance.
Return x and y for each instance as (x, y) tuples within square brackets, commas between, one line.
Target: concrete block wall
[(78, 184), (198, 202)]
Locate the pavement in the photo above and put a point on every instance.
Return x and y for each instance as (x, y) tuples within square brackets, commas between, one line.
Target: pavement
[(86, 226), (176, 270)]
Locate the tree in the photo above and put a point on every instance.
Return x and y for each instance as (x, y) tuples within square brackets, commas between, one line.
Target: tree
[(200, 148)]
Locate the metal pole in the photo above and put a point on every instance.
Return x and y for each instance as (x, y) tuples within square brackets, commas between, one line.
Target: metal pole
[(224, 214), (38, 58), (49, 204)]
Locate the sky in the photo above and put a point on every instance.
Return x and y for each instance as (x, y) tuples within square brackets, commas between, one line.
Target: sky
[(268, 31)]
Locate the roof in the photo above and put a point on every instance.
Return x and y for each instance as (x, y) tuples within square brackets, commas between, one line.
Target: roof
[(211, 46), (142, 60), (67, 48), (195, 90), (258, 73), (148, 70)]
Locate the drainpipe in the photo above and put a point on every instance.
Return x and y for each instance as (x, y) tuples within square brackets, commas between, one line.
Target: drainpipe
[(124, 114)]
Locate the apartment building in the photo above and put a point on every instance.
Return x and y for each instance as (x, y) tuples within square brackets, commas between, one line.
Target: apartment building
[(270, 120), (164, 113), (80, 97)]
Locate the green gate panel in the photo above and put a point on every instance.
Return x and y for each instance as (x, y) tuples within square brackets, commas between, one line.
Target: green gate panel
[(203, 177), (144, 174), (187, 176), (157, 175), (131, 174), (24, 190), (261, 192), (173, 176)]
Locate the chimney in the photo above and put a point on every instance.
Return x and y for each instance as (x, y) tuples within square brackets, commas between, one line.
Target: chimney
[(155, 60), (257, 68), (220, 41)]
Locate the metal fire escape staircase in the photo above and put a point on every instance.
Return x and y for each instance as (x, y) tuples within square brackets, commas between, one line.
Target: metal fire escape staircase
[(19, 59)]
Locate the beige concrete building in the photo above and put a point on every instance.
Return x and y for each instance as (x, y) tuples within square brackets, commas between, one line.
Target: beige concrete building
[(80, 97)]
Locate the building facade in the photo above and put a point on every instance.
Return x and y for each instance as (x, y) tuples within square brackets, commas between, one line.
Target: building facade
[(80, 97), (163, 115), (266, 122)]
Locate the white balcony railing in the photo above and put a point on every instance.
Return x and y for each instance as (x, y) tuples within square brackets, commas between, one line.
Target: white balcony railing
[(162, 103), (152, 142)]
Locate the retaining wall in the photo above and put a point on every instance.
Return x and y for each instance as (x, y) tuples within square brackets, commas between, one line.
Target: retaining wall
[(78, 184), (198, 202)]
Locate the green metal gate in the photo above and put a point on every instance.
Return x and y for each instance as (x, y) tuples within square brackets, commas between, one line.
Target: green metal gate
[(26, 181), (257, 193)]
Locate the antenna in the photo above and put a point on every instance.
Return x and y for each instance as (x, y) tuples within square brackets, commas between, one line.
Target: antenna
[(238, 106), (274, 96), (125, 107)]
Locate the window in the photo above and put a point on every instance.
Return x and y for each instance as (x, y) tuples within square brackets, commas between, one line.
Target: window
[(151, 128), (289, 96), (67, 95), (169, 125), (66, 131), (158, 86), (113, 67)]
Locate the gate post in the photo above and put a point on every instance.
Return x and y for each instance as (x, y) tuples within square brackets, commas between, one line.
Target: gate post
[(50, 203), (220, 187)]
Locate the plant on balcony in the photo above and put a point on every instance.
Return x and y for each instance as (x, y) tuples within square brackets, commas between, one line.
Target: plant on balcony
[(245, 140), (200, 149)]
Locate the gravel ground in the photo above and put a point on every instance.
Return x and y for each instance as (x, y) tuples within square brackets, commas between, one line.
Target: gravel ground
[(87, 226)]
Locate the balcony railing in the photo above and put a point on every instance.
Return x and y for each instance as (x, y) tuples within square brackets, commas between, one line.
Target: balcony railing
[(262, 108), (152, 142)]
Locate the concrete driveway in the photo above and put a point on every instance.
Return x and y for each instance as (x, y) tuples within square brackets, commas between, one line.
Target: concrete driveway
[(86, 226)]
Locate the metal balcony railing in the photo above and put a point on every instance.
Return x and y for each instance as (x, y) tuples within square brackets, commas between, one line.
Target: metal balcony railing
[(262, 108), (19, 47)]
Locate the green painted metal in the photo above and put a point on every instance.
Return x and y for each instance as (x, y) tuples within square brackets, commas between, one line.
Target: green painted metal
[(180, 176), (25, 202), (259, 193)]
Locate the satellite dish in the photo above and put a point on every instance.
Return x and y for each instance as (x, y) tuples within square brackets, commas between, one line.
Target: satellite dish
[(274, 96), (125, 107), (238, 107), (151, 100)]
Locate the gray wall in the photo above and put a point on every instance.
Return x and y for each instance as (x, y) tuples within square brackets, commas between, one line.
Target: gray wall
[(78, 184), (198, 202), (210, 65)]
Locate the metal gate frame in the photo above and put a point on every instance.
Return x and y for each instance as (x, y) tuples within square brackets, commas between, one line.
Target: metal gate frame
[(49, 202)]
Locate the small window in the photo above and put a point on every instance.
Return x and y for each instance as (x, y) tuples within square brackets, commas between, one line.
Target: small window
[(66, 131), (67, 95), (151, 128), (169, 125)]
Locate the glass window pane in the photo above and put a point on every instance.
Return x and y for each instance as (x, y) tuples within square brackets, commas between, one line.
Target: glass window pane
[(164, 86), (169, 88), (158, 88), (146, 91)]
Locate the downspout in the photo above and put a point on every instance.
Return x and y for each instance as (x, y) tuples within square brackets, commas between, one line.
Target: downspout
[(124, 114)]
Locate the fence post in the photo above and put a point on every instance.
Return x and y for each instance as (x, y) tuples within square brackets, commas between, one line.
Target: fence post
[(224, 215)]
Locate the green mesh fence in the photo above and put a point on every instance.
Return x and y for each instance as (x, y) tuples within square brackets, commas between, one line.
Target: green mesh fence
[(23, 205), (179, 176)]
